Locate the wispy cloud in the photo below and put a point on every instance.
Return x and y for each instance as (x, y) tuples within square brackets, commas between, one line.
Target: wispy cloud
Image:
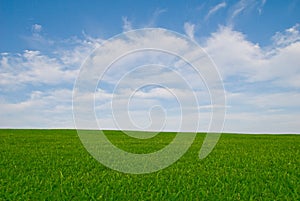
[(260, 7), (289, 36), (37, 39), (214, 9), (244, 7), (155, 16), (36, 28), (237, 9), (127, 26), (189, 29)]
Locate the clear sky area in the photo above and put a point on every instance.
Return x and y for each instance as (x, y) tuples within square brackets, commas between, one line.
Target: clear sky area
[(255, 46)]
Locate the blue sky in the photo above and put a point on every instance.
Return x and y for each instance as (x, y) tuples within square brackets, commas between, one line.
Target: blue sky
[(254, 44)]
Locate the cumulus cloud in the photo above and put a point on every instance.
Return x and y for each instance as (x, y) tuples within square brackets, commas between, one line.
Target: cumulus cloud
[(170, 80), (32, 67), (262, 83), (235, 55), (40, 84), (232, 53)]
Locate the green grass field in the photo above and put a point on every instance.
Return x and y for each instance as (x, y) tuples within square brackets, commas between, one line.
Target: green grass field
[(53, 165)]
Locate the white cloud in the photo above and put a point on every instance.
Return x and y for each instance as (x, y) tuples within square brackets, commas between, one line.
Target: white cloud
[(34, 68), (155, 16), (36, 28), (289, 36), (126, 24), (37, 39), (215, 9), (236, 56), (189, 30), (244, 7), (154, 93), (36, 89), (240, 8), (78, 51), (232, 53), (262, 112), (267, 81), (43, 109), (124, 78), (262, 4), (242, 64), (251, 122)]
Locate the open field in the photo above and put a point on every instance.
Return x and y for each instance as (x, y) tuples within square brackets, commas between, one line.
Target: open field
[(53, 165)]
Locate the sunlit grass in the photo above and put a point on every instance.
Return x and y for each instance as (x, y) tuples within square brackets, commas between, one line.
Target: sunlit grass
[(53, 165)]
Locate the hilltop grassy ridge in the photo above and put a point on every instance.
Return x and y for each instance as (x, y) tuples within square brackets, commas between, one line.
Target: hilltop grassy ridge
[(53, 165)]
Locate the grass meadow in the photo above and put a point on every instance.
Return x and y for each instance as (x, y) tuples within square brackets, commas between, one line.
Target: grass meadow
[(54, 165)]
